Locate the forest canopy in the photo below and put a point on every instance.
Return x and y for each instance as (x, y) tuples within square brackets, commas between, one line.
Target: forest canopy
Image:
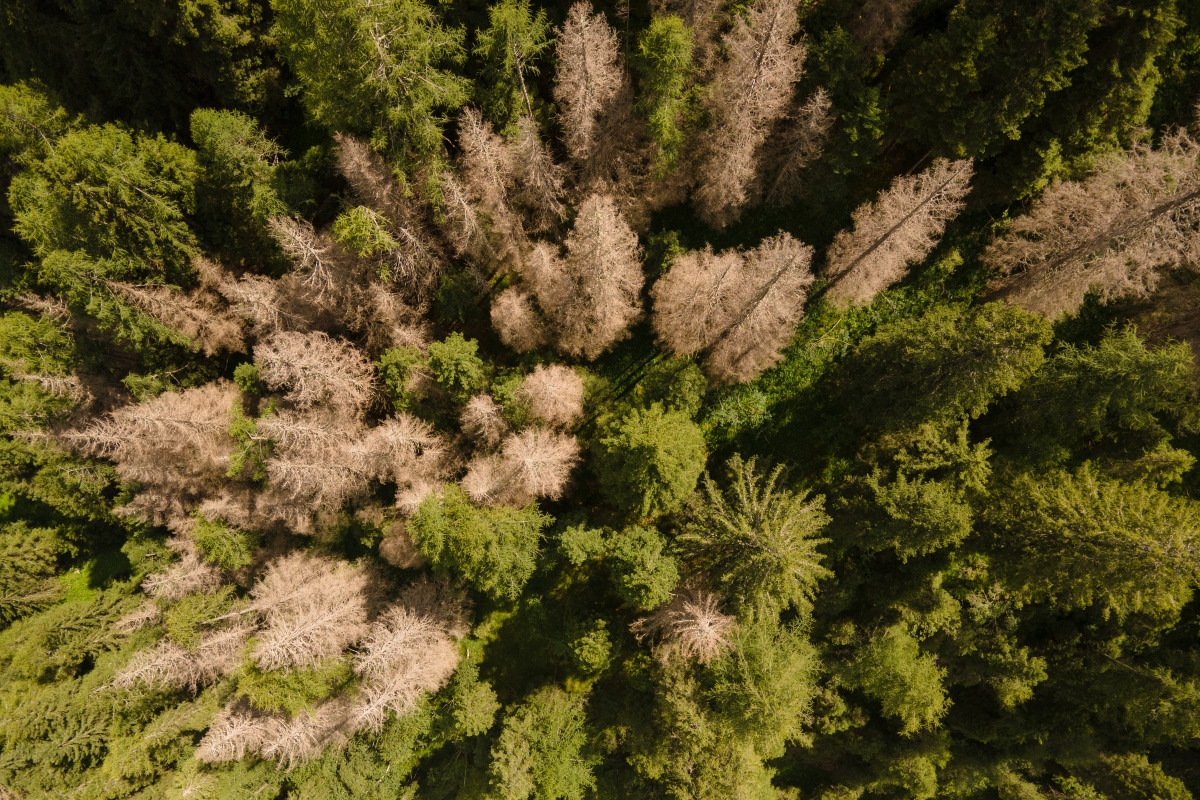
[(695, 400)]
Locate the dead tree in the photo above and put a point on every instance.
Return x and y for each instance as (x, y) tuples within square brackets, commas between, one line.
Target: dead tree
[(750, 92), (898, 229), (737, 311), (554, 394), (589, 77), (591, 295), (316, 370), (200, 315), (414, 261), (539, 180), (311, 607), (799, 145), (518, 323), (1112, 233)]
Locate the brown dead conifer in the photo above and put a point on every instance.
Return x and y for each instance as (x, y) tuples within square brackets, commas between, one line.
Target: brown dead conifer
[(736, 310), (200, 315), (800, 145), (898, 229), (591, 295), (588, 78), (539, 179), (483, 421), (1113, 232), (554, 394), (691, 625), (316, 370), (312, 608), (750, 92)]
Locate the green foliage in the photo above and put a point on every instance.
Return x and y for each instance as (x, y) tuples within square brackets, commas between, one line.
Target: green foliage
[(247, 461), (541, 751), (150, 64), (763, 687), (184, 621), (757, 541), (580, 543), (473, 703), (245, 375), (678, 384), (1079, 539), (975, 579), (1132, 775), (395, 368), (39, 355), (118, 198), (294, 689), (648, 462), (493, 548), (644, 572), (966, 88), (220, 544), (363, 231), (663, 60), (921, 487), (509, 49), (456, 367), (945, 365), (367, 768), (374, 68), (907, 683), (28, 560), (1116, 402), (235, 195), (837, 63), (592, 649), (30, 121)]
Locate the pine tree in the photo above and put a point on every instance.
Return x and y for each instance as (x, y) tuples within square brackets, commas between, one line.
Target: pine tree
[(120, 200), (737, 310), (642, 568), (749, 94), (588, 77), (1081, 540), (965, 89), (591, 295), (493, 548), (898, 229), (663, 60), (374, 68), (510, 47), (649, 461), (541, 749), (1110, 233), (756, 542), (235, 192)]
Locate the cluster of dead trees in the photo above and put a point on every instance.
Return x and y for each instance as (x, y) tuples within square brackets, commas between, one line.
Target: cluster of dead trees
[(305, 610), (1114, 232)]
